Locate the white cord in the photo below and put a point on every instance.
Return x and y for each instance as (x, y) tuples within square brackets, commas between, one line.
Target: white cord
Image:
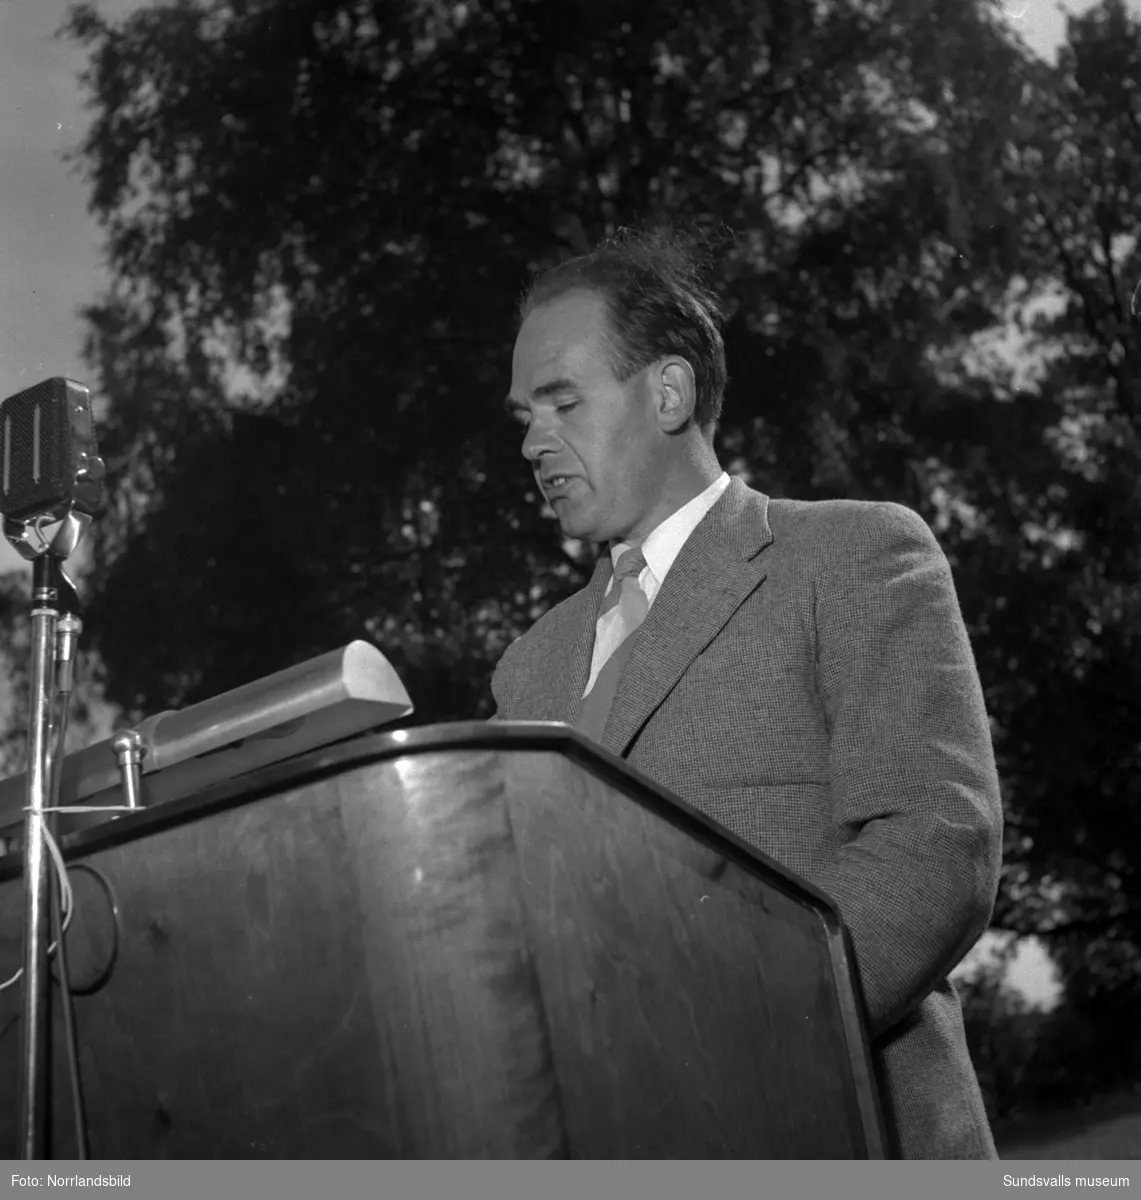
[(66, 895), (86, 808)]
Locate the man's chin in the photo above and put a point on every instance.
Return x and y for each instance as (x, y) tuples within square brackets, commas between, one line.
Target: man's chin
[(575, 528)]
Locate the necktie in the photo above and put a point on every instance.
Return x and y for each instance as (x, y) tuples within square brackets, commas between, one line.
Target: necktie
[(623, 611)]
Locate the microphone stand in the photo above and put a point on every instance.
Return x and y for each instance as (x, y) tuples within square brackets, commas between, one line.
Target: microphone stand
[(48, 581)]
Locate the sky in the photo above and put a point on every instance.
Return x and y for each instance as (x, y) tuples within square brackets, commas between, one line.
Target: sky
[(50, 246)]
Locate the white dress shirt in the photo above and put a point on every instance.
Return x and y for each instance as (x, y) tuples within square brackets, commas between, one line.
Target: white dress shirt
[(660, 549)]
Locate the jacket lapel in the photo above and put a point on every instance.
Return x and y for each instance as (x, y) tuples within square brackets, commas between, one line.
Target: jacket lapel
[(570, 684), (717, 569)]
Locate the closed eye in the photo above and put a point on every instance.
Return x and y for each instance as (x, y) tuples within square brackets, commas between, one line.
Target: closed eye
[(522, 417)]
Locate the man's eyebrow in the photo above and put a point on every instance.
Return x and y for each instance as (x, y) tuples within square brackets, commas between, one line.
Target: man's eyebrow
[(512, 406)]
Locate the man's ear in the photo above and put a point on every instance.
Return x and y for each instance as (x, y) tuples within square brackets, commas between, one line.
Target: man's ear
[(677, 393)]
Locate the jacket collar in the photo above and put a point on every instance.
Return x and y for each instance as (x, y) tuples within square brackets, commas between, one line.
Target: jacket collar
[(713, 574)]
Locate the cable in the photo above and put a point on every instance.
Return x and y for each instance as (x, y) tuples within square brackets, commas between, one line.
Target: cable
[(77, 1106), (66, 895), (89, 808), (61, 898), (89, 989), (78, 1111)]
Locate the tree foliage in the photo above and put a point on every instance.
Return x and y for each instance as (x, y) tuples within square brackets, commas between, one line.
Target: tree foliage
[(320, 214), (346, 200), (1062, 622)]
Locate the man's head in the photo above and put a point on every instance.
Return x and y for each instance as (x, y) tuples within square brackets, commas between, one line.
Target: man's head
[(618, 377)]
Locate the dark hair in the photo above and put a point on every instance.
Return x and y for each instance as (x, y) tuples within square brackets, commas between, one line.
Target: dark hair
[(658, 302)]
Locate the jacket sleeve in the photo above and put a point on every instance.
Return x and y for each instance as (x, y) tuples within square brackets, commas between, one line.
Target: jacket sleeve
[(916, 803), (499, 688)]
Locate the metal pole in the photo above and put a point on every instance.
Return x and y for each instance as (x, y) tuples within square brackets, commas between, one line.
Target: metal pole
[(37, 997)]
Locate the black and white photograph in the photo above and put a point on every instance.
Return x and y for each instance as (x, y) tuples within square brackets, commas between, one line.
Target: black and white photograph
[(571, 584)]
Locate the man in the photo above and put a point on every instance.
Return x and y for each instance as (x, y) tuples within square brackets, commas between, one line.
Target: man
[(799, 671)]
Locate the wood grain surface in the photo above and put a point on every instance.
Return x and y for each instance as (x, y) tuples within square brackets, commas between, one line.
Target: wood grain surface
[(692, 1005)]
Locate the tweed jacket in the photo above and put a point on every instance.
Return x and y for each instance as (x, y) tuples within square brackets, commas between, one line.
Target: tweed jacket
[(804, 677)]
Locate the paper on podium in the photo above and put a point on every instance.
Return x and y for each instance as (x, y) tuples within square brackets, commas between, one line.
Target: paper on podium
[(307, 706)]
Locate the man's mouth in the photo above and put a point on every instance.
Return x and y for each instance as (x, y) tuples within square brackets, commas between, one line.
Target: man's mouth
[(555, 483)]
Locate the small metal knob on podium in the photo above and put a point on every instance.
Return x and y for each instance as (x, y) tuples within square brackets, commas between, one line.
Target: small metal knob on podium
[(129, 751)]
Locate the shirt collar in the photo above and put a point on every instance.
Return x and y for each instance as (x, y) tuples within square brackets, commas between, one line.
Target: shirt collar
[(664, 542)]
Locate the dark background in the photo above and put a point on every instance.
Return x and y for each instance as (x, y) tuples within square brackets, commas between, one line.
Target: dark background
[(319, 217)]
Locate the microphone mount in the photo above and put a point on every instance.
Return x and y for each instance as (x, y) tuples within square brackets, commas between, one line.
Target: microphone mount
[(28, 540)]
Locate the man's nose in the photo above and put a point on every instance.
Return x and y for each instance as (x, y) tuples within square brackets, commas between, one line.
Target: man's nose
[(538, 440)]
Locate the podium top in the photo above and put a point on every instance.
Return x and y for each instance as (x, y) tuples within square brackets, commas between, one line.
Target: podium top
[(470, 736)]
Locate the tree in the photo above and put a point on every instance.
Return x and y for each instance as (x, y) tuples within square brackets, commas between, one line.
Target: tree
[(1052, 583), (1065, 545), (253, 154)]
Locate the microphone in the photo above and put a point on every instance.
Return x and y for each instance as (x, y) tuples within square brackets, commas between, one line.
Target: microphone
[(48, 461)]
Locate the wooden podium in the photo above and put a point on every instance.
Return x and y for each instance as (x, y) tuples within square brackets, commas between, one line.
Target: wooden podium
[(458, 941)]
